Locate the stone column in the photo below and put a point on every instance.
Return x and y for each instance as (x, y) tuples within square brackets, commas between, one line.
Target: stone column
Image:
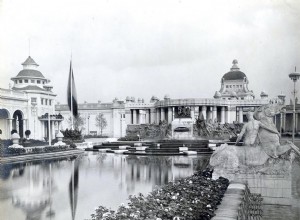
[(196, 112), (173, 113), (193, 113), (9, 127), (170, 115), (157, 115), (214, 113), (162, 114), (209, 116), (222, 115), (140, 115), (281, 122), (240, 115), (296, 122), (284, 120), (203, 111), (147, 116), (134, 116), (227, 115), (152, 115)]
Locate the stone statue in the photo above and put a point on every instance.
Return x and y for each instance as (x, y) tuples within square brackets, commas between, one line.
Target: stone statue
[(251, 130), (261, 143)]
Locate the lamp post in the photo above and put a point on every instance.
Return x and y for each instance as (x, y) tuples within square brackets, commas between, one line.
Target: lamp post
[(294, 76), (48, 88)]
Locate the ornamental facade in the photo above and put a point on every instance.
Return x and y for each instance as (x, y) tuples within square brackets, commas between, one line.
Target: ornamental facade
[(27, 104), (229, 105)]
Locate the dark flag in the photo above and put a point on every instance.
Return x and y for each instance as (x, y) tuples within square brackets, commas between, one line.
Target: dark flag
[(72, 95), (73, 187)]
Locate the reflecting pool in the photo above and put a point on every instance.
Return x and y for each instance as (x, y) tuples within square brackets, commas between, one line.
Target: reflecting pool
[(70, 188)]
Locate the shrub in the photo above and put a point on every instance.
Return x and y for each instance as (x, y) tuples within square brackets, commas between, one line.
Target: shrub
[(129, 138), (14, 151), (27, 133), (37, 150), (73, 146), (95, 136), (13, 131), (72, 134), (195, 197)]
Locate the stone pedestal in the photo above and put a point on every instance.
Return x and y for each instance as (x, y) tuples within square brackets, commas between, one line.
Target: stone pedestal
[(182, 128)]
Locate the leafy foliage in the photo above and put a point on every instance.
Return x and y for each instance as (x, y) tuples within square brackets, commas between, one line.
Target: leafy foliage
[(195, 197), (78, 122), (13, 131), (27, 132), (129, 138), (101, 122), (72, 134)]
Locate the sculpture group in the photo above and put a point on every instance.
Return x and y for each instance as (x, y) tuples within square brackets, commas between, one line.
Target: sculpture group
[(261, 149)]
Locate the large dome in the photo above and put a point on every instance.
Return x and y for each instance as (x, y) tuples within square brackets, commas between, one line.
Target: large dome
[(30, 73), (234, 75)]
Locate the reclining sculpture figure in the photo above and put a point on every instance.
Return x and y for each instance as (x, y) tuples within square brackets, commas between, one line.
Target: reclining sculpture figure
[(261, 142)]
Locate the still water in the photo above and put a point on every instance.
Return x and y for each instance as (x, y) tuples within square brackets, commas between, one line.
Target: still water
[(71, 188)]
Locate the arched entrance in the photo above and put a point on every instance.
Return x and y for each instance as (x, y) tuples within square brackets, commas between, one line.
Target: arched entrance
[(4, 124), (17, 122)]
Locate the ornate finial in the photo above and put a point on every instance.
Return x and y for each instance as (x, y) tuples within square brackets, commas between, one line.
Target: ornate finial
[(235, 66)]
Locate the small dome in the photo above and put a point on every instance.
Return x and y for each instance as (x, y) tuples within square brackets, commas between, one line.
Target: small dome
[(217, 95), (30, 73), (234, 73), (263, 94), (167, 96), (154, 99), (127, 99)]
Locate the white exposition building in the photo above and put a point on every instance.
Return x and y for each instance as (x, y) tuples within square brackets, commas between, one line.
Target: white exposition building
[(25, 106), (228, 105)]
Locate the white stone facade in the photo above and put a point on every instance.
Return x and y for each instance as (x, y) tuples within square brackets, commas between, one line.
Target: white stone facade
[(23, 105)]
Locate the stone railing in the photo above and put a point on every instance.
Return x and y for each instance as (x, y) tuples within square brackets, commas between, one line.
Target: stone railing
[(12, 94), (210, 102)]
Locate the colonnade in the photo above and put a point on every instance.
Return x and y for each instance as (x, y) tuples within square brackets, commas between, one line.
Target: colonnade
[(222, 114), (284, 121)]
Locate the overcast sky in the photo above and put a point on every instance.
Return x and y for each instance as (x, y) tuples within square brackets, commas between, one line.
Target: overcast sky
[(147, 47)]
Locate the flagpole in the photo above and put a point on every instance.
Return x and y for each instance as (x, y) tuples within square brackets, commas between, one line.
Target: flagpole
[(71, 78)]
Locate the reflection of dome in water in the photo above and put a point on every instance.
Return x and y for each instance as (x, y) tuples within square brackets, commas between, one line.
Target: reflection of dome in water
[(34, 197)]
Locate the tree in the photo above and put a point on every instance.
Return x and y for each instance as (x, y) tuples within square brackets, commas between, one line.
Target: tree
[(101, 122), (78, 122)]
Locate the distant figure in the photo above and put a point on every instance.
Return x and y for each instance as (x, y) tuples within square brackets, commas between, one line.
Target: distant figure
[(250, 131)]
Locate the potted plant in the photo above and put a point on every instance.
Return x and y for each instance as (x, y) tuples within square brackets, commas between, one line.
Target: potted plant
[(27, 133)]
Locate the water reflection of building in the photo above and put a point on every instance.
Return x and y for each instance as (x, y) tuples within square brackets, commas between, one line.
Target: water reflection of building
[(35, 195)]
